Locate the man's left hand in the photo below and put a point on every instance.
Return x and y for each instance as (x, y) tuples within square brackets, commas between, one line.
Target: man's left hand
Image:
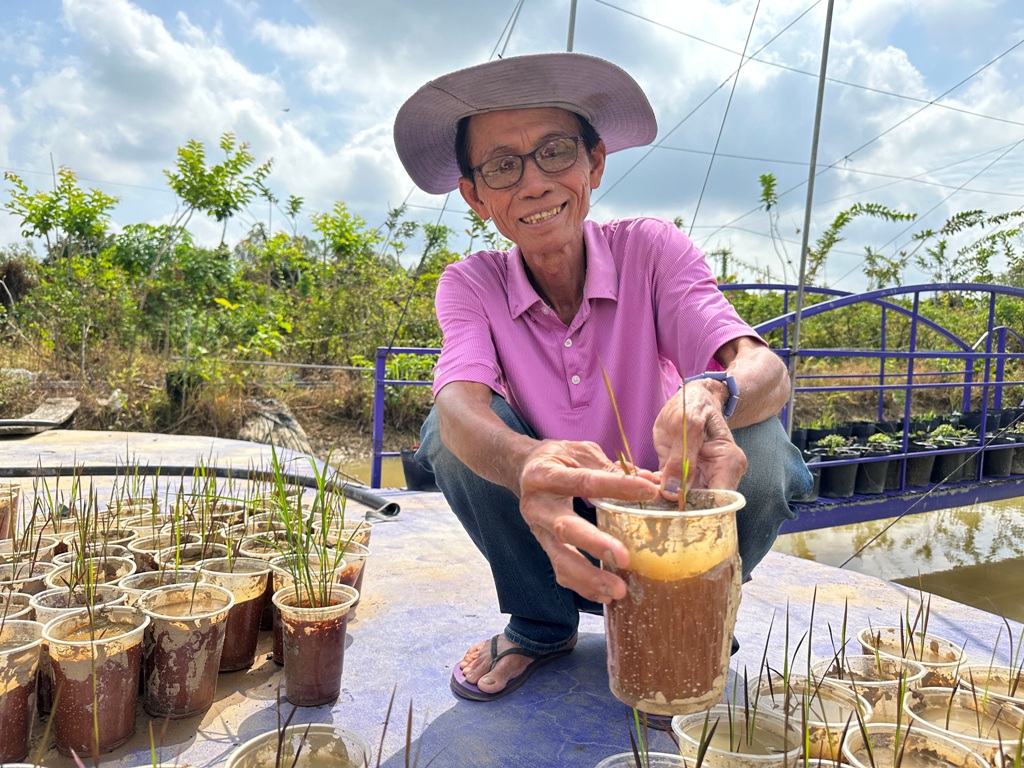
[(715, 461)]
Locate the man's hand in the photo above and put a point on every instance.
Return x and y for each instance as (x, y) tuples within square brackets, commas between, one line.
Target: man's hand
[(554, 473), (715, 461)]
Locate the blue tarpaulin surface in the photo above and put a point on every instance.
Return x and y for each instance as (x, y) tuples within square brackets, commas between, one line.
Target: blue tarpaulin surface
[(428, 596)]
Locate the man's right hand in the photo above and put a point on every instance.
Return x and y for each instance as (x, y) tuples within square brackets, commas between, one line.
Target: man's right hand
[(553, 474)]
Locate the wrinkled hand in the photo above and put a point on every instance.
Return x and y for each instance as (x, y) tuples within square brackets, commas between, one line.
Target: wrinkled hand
[(715, 459), (554, 473)]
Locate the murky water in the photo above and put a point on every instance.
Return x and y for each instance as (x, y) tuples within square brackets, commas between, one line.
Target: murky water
[(974, 555), (392, 475)]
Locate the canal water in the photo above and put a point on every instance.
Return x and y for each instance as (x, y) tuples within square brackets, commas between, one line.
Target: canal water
[(974, 555)]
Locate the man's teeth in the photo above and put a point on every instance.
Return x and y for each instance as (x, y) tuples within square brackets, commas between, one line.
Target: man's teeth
[(542, 216)]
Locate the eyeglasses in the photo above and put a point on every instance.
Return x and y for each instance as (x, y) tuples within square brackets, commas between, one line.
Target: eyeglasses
[(552, 156)]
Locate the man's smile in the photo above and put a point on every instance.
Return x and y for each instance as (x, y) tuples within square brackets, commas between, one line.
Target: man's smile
[(537, 218)]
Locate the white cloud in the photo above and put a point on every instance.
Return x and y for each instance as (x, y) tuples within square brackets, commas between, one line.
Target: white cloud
[(321, 53), (316, 86)]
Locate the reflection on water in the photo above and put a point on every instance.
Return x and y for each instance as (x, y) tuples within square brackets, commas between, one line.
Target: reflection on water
[(974, 555)]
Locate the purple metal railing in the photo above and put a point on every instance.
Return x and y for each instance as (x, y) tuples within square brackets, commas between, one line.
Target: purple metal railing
[(993, 383)]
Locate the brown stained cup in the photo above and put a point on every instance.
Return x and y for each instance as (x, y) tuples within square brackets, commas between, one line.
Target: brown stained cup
[(338, 746), (20, 642), (246, 578), (356, 556), (670, 638), (90, 570), (93, 550), (145, 548), (281, 577), (941, 658), (314, 642), (10, 495), (30, 548), (53, 603), (28, 578), (183, 646), (136, 585), (188, 556), (100, 658), (15, 606)]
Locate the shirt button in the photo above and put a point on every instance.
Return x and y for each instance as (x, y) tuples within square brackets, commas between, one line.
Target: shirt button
[(568, 342), (575, 379), (546, 311)]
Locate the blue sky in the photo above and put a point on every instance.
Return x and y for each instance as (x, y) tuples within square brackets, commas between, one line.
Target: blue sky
[(110, 88)]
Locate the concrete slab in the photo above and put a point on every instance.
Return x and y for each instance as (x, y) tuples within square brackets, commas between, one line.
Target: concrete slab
[(428, 596)]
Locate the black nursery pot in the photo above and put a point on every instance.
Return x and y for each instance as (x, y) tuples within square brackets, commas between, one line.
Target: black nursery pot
[(949, 467), (417, 477), (871, 475), (998, 462), (972, 420), (814, 434), (919, 468), (799, 438), (862, 429), (837, 482)]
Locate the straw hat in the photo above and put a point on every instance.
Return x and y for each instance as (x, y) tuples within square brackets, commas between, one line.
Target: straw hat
[(596, 89)]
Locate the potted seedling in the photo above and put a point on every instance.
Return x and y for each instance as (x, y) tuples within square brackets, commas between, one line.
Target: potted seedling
[(670, 639), (955, 465), (313, 605), (941, 658), (95, 656), (992, 728), (881, 681), (871, 475), (836, 481), (822, 708), (889, 745), (246, 578), (183, 647), (305, 746), (743, 737)]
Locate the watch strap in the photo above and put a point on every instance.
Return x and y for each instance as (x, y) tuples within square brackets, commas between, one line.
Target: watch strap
[(728, 380)]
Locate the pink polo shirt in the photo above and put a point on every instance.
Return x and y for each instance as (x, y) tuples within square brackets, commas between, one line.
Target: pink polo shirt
[(651, 311)]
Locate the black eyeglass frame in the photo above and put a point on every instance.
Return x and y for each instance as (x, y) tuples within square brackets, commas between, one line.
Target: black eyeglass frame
[(522, 161)]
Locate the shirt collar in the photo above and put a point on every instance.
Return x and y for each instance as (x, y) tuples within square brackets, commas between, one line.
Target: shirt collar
[(602, 280)]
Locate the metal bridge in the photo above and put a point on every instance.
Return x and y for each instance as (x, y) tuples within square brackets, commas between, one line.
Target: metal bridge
[(974, 373)]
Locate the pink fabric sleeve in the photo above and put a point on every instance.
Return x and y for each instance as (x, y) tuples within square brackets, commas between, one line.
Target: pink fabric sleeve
[(467, 352)]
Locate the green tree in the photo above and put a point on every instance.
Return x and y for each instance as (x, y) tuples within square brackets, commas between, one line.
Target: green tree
[(220, 190), (817, 254), (81, 303), (1001, 236), (70, 220)]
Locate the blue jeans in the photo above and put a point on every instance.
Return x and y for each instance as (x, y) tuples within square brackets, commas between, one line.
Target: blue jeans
[(544, 616)]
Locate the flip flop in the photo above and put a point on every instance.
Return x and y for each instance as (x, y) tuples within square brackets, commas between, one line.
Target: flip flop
[(467, 690)]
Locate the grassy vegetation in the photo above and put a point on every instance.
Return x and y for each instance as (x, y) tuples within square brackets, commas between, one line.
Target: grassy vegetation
[(177, 329)]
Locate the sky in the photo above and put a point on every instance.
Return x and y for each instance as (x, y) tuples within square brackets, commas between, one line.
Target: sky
[(923, 109)]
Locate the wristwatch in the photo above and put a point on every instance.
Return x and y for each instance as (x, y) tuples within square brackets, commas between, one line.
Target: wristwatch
[(730, 382)]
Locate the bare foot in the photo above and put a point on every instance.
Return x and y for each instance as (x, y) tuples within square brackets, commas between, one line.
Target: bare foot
[(475, 665)]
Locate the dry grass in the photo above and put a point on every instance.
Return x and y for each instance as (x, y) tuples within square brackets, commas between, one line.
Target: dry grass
[(333, 407)]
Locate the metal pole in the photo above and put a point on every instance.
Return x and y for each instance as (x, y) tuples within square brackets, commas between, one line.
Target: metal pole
[(572, 25), (804, 240)]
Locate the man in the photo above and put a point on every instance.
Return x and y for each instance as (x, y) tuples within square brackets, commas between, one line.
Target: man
[(523, 431)]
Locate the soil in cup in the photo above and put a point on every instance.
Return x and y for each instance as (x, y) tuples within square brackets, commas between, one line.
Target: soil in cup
[(693, 607), (241, 635), (118, 693), (313, 670)]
